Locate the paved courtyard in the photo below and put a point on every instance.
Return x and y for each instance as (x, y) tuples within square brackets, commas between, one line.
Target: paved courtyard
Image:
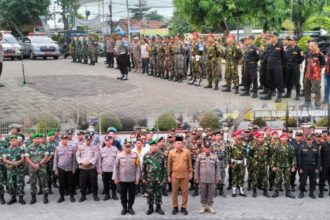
[(61, 87)]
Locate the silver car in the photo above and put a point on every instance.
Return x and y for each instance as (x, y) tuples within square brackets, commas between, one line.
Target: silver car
[(39, 46), (11, 47)]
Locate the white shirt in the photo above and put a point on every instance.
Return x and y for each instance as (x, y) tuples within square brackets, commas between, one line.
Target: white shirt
[(144, 51)]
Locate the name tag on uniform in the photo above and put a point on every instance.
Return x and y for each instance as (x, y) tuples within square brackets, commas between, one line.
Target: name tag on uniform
[(277, 48)]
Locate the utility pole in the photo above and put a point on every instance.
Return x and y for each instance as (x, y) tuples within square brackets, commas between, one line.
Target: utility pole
[(128, 23), (110, 17)]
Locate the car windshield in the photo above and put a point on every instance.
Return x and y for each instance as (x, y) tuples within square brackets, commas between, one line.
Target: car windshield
[(39, 39), (9, 39)]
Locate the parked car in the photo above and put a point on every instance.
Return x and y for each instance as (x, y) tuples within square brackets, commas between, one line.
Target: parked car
[(10, 46), (39, 46)]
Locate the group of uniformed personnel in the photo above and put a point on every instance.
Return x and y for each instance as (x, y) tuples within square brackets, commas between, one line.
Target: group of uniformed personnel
[(272, 160), (84, 50)]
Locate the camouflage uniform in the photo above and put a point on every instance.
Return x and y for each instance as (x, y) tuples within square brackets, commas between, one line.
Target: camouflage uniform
[(153, 59), (74, 50), (36, 154), (283, 159), (154, 173), (196, 52), (161, 60), (232, 55), (51, 146), (237, 156), (15, 175), (79, 51), (212, 65), (2, 172), (92, 51), (178, 60), (85, 51), (260, 156), (169, 61), (221, 151)]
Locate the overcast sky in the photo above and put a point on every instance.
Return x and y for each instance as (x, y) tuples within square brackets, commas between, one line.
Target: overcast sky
[(163, 7)]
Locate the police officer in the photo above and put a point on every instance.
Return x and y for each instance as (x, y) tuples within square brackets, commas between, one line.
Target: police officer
[(297, 143), (325, 164), (309, 163), (295, 56), (252, 57), (87, 156), (207, 175), (127, 175), (121, 50), (154, 175), (64, 167), (108, 156), (275, 60)]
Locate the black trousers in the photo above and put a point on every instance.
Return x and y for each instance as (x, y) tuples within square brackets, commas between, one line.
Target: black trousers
[(251, 76), (308, 171), (286, 76), (87, 177), (324, 175), (293, 178), (122, 62), (127, 188), (263, 75), (275, 77), (145, 65), (110, 59), (108, 182), (66, 181), (1, 66), (293, 77)]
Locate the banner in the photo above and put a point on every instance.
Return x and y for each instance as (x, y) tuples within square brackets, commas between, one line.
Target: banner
[(89, 23), (154, 32)]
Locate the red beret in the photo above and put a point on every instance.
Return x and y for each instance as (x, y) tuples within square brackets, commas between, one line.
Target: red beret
[(283, 135), (274, 132), (231, 35), (211, 35), (237, 133), (267, 129), (260, 135), (195, 34)]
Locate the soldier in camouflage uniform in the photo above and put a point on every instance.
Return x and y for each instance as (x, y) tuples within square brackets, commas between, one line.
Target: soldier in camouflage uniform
[(232, 55), (73, 49), (36, 156), (272, 141), (51, 146), (85, 50), (237, 157), (2, 175), (162, 148), (196, 53), (219, 149), (14, 159), (169, 61), (283, 163), (178, 59), (213, 53), (154, 175), (92, 50), (153, 57), (260, 156), (79, 50), (161, 58)]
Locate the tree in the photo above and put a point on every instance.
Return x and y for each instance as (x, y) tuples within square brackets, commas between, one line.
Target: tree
[(140, 10), (69, 8), (166, 122), (109, 120), (154, 16), (317, 20), (15, 14), (209, 120), (179, 25)]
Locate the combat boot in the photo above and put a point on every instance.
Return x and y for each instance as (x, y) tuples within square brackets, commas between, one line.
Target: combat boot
[(165, 191), (266, 194), (229, 187), (195, 192), (241, 192), (72, 199), (301, 195), (254, 194), (95, 197), (224, 86), (198, 82), (279, 97), (221, 192), (249, 187), (264, 92), (287, 95), (226, 89), (2, 199), (275, 194), (268, 96), (12, 200), (246, 93), (159, 210), (216, 87), (150, 210), (289, 194), (236, 90), (297, 97), (40, 191), (234, 191), (209, 86), (106, 196), (21, 200), (45, 198), (114, 195), (83, 197), (261, 87), (321, 195), (61, 199), (33, 199), (255, 95), (312, 195)]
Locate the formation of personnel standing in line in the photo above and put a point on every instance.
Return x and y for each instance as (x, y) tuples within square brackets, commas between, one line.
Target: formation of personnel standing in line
[(162, 165), (84, 50), (276, 63)]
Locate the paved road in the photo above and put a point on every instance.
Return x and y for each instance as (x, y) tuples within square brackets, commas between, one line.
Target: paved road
[(61, 87)]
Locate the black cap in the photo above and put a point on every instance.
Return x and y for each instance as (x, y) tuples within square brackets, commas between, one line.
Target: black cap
[(299, 133), (309, 137), (178, 138), (274, 34), (161, 139), (89, 137), (64, 136), (69, 131)]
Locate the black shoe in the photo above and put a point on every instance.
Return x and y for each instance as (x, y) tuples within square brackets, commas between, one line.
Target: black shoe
[(106, 197), (270, 188), (233, 195), (255, 95), (301, 195), (221, 192), (96, 198), (216, 87), (2, 199), (209, 86), (150, 210), (159, 210), (131, 211), (224, 86), (103, 192), (61, 199), (50, 191), (275, 194), (246, 93), (165, 192), (286, 96), (243, 194), (254, 194), (195, 193), (264, 92), (1, 85), (175, 211), (243, 90), (72, 199), (184, 211), (124, 211), (321, 195), (236, 90), (45, 198), (266, 194), (229, 187), (82, 198), (12, 200), (281, 189), (21, 200), (312, 195), (226, 89), (33, 199), (289, 194), (114, 195), (268, 96)]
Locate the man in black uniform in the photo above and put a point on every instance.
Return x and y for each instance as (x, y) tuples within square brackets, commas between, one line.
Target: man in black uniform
[(325, 165), (252, 57), (275, 60), (297, 143), (309, 164), (295, 57)]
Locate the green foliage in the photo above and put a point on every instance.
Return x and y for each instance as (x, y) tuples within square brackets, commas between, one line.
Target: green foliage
[(317, 21), (166, 121), (257, 41), (128, 123), (47, 123), (288, 25), (153, 15), (143, 122), (68, 6), (302, 43), (260, 122), (323, 122), (292, 122), (109, 120), (209, 120)]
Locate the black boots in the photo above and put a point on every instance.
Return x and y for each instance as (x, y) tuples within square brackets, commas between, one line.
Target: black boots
[(289, 194), (61, 199), (2, 199), (268, 96), (107, 196), (150, 210), (21, 200), (45, 198), (33, 199), (254, 194), (209, 86), (216, 87), (82, 198), (279, 97), (95, 197), (12, 200), (221, 192), (275, 194), (130, 210), (287, 95), (114, 195), (226, 89), (165, 191), (195, 193), (159, 210), (266, 193)]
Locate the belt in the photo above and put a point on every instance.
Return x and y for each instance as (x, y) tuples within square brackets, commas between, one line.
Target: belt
[(236, 161)]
